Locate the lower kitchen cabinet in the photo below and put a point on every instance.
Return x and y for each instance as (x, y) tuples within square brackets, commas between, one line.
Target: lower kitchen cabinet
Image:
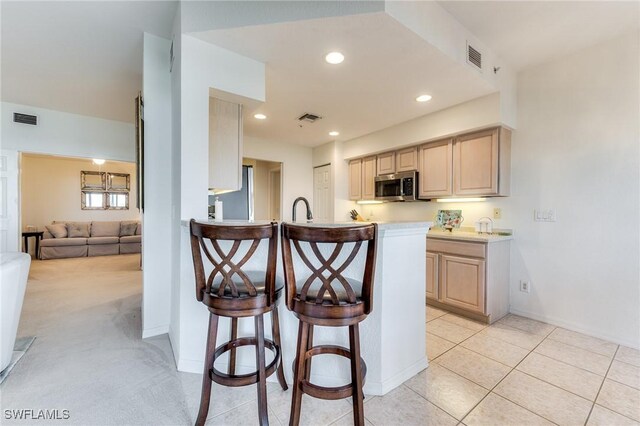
[(469, 278)]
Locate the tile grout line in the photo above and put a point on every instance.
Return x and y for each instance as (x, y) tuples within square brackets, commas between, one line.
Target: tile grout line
[(501, 380), (601, 385)]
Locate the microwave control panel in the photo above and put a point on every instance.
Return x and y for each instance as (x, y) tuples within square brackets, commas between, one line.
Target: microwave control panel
[(407, 186)]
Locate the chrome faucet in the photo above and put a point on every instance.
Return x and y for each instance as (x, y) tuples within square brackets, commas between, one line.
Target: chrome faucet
[(306, 203)]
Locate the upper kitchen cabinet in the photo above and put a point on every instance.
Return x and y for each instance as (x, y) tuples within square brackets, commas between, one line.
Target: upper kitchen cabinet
[(386, 163), (368, 178), (362, 173), (407, 159), (482, 162), (434, 169), (355, 179), (225, 145)]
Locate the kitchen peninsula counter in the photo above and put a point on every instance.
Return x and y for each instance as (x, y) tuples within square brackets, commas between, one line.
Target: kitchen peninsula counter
[(393, 340)]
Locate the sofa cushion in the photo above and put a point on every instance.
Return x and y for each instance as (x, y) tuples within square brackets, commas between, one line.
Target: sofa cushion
[(128, 228), (105, 229), (102, 240), (131, 239), (139, 229), (78, 229), (57, 242), (58, 230)]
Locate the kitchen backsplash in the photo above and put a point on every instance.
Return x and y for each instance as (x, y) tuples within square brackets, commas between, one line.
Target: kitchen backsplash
[(420, 210)]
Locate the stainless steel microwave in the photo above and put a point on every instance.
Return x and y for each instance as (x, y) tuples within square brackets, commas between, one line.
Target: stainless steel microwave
[(401, 186)]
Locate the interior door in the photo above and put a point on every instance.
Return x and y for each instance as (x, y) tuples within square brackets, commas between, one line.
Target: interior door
[(9, 201), (322, 200)]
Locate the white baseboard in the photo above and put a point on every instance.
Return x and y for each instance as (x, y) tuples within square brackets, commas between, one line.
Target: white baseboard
[(190, 365), (386, 386), (155, 331), (569, 325)]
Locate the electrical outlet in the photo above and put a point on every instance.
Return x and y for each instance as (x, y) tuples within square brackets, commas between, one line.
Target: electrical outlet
[(497, 213), (525, 286)]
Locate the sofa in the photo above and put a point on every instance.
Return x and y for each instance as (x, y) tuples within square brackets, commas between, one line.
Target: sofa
[(81, 239)]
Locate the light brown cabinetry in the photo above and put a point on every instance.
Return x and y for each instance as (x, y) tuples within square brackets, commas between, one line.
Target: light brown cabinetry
[(407, 159), (468, 278), (481, 163), (462, 282), (432, 275), (355, 179), (368, 178), (386, 163), (362, 173), (434, 169)]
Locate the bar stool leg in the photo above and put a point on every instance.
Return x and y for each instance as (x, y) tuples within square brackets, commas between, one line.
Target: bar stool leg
[(275, 331), (298, 374), (307, 368), (209, 359), (232, 354), (356, 375), (262, 375)]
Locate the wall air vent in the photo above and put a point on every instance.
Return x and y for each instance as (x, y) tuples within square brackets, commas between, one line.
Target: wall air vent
[(309, 118), (25, 119), (474, 57)]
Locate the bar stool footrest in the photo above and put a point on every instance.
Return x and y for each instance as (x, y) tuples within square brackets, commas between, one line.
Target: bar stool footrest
[(248, 378), (327, 392)]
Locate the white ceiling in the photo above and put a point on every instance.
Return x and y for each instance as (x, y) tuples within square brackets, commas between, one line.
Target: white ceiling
[(386, 67), (86, 58), (79, 57), (527, 33)]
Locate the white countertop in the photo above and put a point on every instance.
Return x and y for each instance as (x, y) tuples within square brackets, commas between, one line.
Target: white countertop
[(468, 235), (381, 225)]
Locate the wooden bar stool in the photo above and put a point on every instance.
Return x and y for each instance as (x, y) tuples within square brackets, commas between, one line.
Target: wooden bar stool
[(323, 296), (232, 291)]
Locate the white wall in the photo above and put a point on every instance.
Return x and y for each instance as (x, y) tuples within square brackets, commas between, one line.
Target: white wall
[(65, 134), (577, 151), (158, 196), (51, 190), (203, 66), (297, 169)]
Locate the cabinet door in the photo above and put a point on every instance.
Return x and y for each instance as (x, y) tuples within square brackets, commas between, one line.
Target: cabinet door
[(407, 160), (432, 276), (386, 163), (225, 145), (475, 163), (434, 169), (462, 282), (368, 178), (355, 179)]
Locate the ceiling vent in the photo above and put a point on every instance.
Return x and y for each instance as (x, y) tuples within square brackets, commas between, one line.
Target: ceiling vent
[(25, 119), (474, 57), (309, 118)]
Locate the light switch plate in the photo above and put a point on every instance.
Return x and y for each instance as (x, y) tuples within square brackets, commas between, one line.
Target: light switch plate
[(497, 213), (548, 215)]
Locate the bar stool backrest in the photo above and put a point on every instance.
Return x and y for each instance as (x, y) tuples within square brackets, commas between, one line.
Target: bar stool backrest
[(225, 266), (329, 275)]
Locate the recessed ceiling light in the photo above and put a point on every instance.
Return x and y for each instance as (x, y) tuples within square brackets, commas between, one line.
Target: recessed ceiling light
[(260, 116), (334, 58), (423, 98), (98, 161), (334, 133)]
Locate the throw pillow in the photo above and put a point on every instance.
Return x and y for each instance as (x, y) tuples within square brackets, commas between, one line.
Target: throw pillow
[(58, 230), (78, 230), (128, 228)]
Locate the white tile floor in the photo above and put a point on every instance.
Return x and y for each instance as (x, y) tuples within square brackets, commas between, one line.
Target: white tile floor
[(514, 372), (88, 357)]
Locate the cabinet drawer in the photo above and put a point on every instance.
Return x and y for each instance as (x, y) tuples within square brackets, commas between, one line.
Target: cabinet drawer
[(456, 247)]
